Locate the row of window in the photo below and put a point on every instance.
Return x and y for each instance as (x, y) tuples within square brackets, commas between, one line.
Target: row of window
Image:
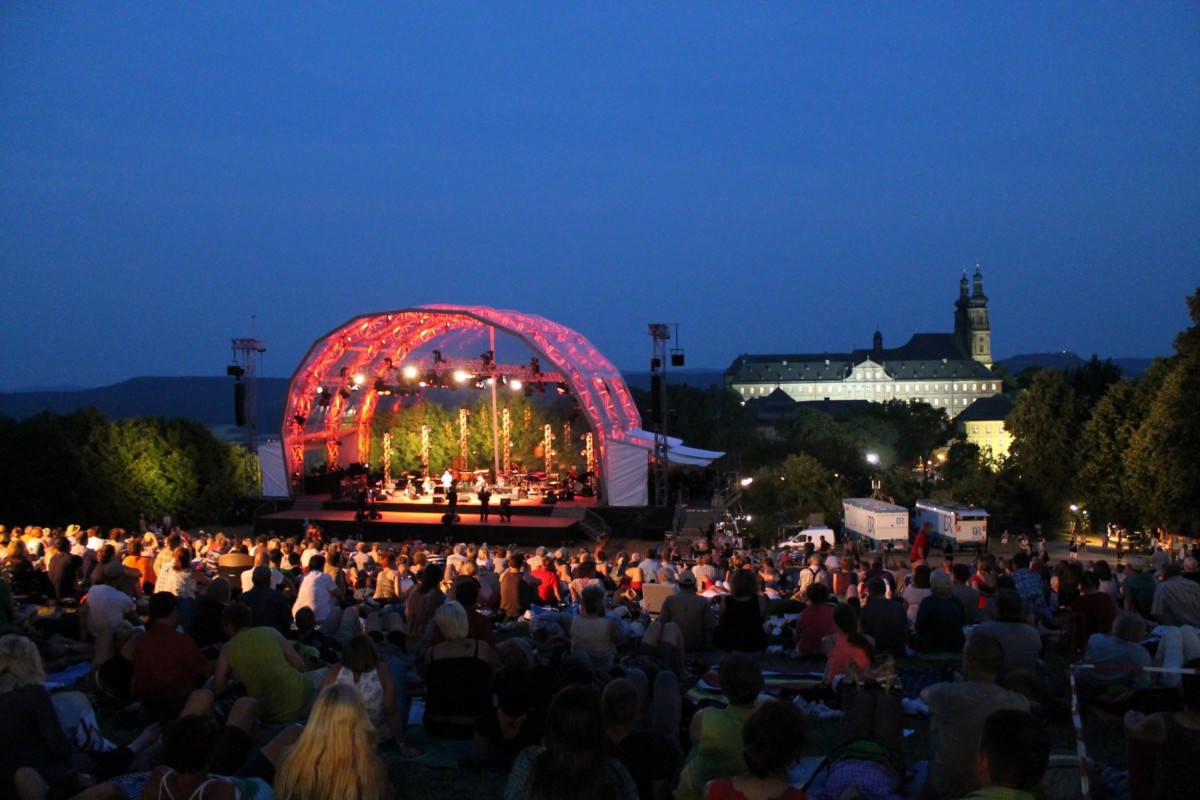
[(908, 388)]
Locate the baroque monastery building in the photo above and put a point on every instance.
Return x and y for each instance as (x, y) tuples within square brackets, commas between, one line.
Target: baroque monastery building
[(947, 370)]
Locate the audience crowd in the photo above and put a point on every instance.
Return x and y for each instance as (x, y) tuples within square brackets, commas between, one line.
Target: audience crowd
[(297, 667)]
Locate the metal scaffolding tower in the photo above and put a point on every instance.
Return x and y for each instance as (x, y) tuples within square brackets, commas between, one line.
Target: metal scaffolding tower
[(660, 333)]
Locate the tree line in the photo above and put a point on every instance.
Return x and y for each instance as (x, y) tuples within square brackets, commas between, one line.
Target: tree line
[(85, 469)]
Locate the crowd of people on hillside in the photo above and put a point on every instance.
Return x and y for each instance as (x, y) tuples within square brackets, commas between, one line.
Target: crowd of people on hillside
[(569, 670)]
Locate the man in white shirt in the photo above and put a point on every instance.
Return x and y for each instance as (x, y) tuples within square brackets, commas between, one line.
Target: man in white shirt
[(318, 590), (650, 567), (262, 558)]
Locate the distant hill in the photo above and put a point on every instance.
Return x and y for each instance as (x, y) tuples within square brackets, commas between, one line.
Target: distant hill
[(209, 400), (1065, 359)]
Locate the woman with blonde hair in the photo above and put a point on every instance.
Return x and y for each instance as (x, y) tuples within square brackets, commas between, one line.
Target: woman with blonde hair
[(334, 757)]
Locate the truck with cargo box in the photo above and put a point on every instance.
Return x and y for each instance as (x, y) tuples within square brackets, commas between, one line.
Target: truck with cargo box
[(883, 524), (965, 527)]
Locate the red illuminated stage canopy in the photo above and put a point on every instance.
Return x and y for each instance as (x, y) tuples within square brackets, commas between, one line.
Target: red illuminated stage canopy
[(323, 393)]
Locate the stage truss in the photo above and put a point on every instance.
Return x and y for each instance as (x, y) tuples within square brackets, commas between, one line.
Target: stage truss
[(346, 370)]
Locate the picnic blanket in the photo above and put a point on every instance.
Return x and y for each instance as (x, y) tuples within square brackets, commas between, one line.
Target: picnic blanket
[(776, 682)]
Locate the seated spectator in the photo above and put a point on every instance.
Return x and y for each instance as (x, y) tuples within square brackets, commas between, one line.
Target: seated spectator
[(144, 564), (940, 618), (1163, 746), (573, 761), (965, 593), (517, 721), (380, 685), (1096, 607), (478, 626), (595, 635), (1021, 642), (334, 755), (741, 615), (549, 591), (309, 635), (918, 591), (850, 652), (774, 737), (1176, 600), (651, 756), (167, 664), (266, 665), (1119, 655), (691, 612), (458, 677), (268, 606), (206, 626), (716, 733), (65, 571), (957, 713), (884, 620), (1014, 751), (815, 622), (194, 744), (422, 602)]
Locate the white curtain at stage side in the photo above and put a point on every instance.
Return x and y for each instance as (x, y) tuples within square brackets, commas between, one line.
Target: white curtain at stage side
[(627, 471), (626, 474), (273, 469)]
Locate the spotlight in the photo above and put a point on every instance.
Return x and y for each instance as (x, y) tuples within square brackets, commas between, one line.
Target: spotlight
[(437, 356), (535, 365), (410, 372), (387, 364), (487, 358), (323, 400), (359, 379), (381, 387), (234, 371), (562, 387), (345, 393), (461, 375), (514, 384), (300, 419)]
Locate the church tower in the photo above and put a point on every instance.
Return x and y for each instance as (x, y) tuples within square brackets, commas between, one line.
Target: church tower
[(971, 325)]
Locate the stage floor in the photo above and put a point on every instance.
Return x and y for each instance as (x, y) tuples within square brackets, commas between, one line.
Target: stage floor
[(423, 520)]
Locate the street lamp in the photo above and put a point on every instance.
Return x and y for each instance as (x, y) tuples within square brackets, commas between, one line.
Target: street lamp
[(873, 459)]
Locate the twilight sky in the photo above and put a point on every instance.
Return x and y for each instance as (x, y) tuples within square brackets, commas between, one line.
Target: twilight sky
[(774, 177)]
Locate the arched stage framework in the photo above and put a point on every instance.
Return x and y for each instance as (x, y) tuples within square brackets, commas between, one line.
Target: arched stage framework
[(377, 343)]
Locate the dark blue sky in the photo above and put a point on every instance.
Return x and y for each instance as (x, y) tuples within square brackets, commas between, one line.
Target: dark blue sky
[(774, 177)]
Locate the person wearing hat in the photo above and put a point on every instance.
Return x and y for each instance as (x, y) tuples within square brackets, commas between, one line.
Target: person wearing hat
[(1139, 586), (692, 612)]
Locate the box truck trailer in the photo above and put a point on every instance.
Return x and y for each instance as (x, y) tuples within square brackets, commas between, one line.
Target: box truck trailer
[(885, 525), (965, 527)]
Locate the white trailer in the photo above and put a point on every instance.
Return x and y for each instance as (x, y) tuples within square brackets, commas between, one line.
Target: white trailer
[(885, 525), (963, 526)]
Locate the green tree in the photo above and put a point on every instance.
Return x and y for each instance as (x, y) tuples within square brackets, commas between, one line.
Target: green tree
[(1104, 441), (1161, 460), (790, 491), (968, 477), (1091, 381), (1045, 424)]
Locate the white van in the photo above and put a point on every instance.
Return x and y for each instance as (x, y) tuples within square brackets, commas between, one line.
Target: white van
[(792, 538)]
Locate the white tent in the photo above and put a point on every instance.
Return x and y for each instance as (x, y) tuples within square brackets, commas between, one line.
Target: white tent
[(627, 460)]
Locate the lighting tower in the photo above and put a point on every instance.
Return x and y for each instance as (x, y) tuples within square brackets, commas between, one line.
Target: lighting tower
[(246, 356), (660, 333)]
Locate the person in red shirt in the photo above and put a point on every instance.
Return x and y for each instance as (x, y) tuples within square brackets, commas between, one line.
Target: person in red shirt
[(920, 548), (550, 591), (167, 664)]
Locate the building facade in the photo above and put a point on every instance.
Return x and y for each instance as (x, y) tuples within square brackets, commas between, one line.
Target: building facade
[(947, 370)]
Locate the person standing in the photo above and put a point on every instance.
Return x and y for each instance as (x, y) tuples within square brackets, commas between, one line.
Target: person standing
[(920, 548), (485, 497)]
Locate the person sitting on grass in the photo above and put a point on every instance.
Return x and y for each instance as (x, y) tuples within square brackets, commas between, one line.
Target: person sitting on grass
[(381, 687), (774, 736), (1014, 751), (716, 733), (850, 653)]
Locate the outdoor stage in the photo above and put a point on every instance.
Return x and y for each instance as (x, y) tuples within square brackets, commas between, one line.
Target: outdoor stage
[(533, 522)]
